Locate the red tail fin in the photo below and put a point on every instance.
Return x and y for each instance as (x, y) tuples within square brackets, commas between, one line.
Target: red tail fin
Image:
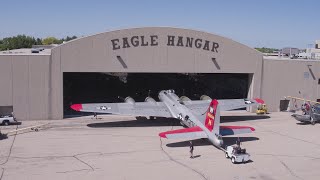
[(211, 113)]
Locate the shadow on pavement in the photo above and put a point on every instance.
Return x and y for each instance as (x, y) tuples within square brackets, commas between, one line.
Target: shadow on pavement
[(139, 122), (204, 142), (303, 123), (243, 118), (13, 123), (232, 140), (3, 136), (196, 156)]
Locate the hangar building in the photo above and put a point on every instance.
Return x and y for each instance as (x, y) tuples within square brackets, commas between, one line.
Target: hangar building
[(43, 85)]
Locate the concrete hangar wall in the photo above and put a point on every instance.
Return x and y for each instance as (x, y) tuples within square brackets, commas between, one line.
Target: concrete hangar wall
[(35, 87), (287, 77)]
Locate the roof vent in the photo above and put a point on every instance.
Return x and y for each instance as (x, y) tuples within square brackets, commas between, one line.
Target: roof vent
[(35, 50)]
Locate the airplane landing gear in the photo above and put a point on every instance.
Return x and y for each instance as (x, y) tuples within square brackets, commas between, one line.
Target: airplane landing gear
[(313, 122)]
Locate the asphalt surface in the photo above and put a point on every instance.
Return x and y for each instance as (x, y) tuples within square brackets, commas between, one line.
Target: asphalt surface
[(117, 147)]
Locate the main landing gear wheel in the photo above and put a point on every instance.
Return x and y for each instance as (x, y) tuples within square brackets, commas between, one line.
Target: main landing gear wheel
[(233, 160), (6, 123), (227, 155), (313, 122)]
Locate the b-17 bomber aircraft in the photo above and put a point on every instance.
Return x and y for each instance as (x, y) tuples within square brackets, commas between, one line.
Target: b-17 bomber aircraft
[(202, 117)]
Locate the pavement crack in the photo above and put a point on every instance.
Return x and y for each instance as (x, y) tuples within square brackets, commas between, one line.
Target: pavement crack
[(2, 173), (284, 155), (179, 163), (79, 154), (287, 167), (285, 135), (284, 164), (11, 146), (92, 169), (63, 172)]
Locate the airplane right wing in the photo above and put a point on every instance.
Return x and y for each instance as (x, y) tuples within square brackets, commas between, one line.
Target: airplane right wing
[(200, 107), (131, 109), (234, 130)]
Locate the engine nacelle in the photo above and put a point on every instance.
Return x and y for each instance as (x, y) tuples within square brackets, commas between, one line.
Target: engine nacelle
[(150, 100), (184, 98), (129, 100), (205, 97)]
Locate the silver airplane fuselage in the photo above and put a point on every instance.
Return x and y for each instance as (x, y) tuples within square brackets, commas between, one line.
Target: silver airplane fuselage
[(179, 111)]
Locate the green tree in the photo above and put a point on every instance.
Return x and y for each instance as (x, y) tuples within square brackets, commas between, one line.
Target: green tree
[(69, 38), (23, 41), (51, 40), (1, 45), (266, 50), (39, 41), (17, 42)]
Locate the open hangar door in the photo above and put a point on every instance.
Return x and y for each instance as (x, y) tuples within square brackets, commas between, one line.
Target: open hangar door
[(114, 87)]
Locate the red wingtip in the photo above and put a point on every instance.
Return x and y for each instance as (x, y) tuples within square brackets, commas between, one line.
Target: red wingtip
[(76, 107), (260, 101), (252, 129), (163, 135)]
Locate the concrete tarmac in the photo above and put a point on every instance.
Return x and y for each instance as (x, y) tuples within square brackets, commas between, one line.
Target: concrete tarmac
[(119, 148)]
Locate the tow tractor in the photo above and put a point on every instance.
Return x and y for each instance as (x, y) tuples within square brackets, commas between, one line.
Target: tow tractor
[(236, 154), (262, 109)]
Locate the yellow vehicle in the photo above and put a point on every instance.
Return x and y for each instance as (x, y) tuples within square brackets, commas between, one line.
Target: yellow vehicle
[(262, 109)]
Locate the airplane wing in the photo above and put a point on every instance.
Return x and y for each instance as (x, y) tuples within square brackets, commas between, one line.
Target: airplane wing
[(225, 104), (189, 133), (200, 107), (234, 130), (131, 109), (197, 133), (230, 104)]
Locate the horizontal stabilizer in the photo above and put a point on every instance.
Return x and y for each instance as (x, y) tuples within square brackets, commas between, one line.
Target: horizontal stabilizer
[(233, 130), (190, 133)]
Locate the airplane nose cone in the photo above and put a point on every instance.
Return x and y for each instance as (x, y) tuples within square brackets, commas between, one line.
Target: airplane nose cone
[(76, 107)]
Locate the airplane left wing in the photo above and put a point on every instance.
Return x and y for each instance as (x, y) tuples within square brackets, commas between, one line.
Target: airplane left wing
[(189, 133), (131, 109)]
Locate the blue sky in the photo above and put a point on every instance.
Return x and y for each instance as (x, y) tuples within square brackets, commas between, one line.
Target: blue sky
[(271, 23)]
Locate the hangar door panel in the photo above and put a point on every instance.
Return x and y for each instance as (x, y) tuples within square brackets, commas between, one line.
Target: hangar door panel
[(114, 87)]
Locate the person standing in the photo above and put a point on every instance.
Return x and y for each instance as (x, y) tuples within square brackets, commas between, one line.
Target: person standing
[(191, 150)]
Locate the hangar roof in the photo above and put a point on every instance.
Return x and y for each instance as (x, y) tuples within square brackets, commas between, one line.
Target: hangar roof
[(25, 51), (288, 59), (156, 49)]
